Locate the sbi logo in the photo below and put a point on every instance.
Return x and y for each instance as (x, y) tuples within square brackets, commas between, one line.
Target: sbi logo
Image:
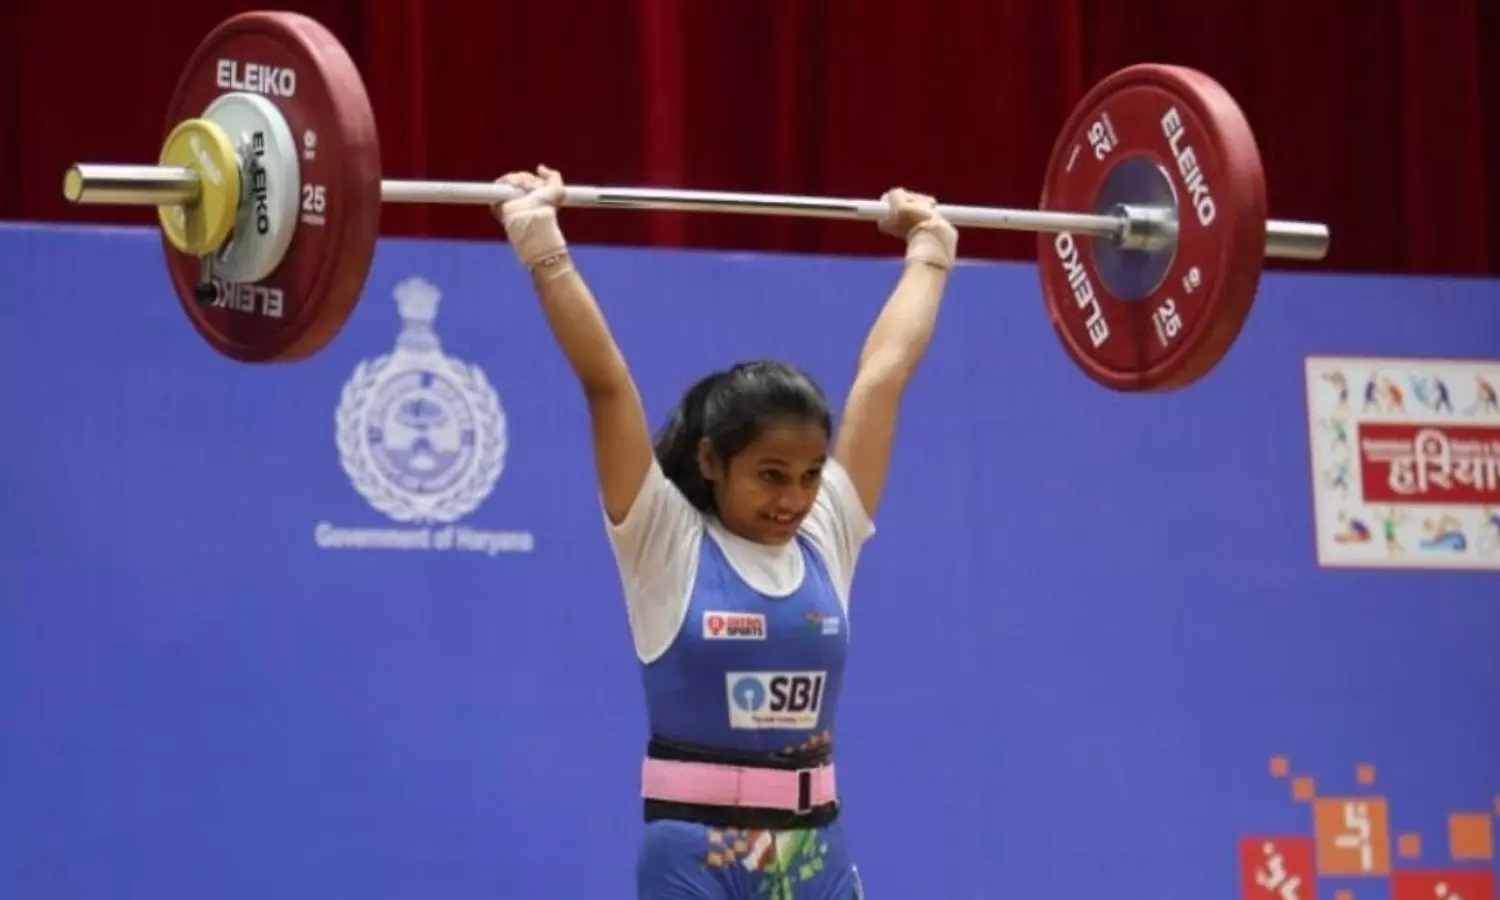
[(749, 693), (775, 699)]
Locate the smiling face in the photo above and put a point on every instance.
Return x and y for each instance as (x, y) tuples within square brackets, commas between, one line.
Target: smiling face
[(764, 491), (747, 446)]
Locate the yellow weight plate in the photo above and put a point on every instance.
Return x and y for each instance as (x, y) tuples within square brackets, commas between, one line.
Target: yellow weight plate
[(202, 227)]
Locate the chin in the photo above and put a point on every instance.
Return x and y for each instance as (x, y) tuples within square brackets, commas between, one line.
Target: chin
[(761, 530), (768, 533)]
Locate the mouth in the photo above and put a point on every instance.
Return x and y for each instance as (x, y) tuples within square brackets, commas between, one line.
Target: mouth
[(780, 521)]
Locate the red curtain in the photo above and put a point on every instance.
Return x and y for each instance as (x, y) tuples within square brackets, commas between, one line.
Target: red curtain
[(1377, 117)]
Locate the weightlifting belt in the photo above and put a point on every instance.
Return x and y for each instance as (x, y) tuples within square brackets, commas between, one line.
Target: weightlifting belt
[(732, 791)]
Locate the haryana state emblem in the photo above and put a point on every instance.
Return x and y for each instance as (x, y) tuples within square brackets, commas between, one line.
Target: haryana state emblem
[(420, 434)]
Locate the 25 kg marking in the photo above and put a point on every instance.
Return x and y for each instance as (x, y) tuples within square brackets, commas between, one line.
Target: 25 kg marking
[(1167, 320), (314, 203)]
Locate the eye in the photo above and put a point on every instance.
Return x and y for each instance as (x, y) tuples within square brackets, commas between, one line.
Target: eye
[(772, 476), (813, 477)]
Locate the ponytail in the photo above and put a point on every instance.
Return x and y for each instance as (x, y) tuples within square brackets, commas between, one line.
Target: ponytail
[(677, 445)]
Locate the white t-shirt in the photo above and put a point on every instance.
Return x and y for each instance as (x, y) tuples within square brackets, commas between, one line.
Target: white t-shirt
[(657, 546)]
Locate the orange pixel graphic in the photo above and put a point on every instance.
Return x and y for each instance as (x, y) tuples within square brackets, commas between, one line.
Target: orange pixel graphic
[(1353, 836), (1471, 837), (1409, 846), (1303, 789)]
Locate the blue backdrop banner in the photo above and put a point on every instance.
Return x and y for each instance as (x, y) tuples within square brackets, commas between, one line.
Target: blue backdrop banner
[(255, 642)]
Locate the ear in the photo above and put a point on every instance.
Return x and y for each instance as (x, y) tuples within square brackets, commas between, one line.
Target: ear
[(708, 462)]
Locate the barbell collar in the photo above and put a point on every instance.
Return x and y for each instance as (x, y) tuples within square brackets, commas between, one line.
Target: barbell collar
[(1142, 228)]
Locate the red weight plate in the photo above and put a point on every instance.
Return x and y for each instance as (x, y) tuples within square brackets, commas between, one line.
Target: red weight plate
[(301, 67), (1189, 127)]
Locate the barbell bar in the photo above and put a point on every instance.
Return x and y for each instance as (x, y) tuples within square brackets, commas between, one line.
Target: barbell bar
[(1132, 227)]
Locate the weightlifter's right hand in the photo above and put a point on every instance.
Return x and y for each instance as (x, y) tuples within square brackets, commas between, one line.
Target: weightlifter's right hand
[(530, 220)]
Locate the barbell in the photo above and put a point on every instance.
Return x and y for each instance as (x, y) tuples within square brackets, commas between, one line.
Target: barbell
[(1152, 228)]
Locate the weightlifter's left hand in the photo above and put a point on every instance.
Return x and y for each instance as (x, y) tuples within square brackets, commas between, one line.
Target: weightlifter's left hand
[(930, 238)]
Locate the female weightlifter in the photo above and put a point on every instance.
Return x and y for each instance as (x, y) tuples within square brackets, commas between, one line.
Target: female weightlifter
[(736, 535)]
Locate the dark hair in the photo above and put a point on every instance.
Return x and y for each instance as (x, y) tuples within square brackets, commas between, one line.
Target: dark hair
[(731, 408)]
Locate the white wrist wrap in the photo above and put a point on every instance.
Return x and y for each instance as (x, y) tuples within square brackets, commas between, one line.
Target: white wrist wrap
[(534, 234), (934, 242)]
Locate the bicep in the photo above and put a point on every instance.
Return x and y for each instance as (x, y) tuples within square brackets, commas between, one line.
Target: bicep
[(867, 431), (623, 453)]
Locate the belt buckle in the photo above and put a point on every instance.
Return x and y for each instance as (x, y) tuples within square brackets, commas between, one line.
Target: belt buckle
[(804, 791)]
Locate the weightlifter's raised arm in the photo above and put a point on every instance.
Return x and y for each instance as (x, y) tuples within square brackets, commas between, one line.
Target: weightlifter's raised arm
[(897, 342), (622, 438)]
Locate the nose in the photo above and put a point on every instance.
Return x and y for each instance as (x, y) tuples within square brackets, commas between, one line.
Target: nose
[(793, 501)]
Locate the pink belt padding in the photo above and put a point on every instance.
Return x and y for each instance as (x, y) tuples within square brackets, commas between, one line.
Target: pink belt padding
[(709, 784)]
